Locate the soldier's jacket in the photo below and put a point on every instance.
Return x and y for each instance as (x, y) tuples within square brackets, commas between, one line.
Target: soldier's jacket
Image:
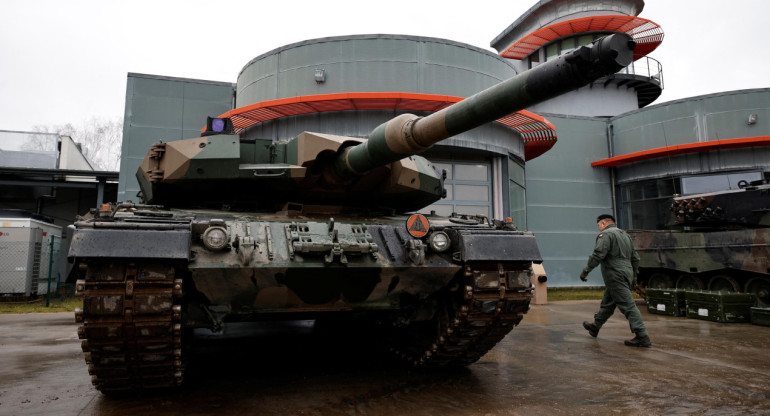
[(616, 253)]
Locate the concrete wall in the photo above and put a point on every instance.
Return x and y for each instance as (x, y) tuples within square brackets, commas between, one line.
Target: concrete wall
[(591, 101), (70, 156)]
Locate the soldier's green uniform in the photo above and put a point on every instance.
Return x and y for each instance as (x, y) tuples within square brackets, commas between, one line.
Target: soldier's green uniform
[(619, 260)]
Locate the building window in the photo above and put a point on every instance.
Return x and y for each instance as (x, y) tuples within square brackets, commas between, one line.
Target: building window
[(468, 186), (647, 205), (567, 44), (534, 59), (713, 183), (552, 51), (583, 40)]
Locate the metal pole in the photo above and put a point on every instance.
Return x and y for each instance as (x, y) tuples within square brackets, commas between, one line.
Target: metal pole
[(50, 266), (100, 191)]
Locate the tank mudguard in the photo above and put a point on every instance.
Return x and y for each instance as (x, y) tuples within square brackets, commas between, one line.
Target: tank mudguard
[(477, 245), (127, 243)]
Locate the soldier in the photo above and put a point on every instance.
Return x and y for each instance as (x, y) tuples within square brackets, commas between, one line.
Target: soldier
[(620, 261)]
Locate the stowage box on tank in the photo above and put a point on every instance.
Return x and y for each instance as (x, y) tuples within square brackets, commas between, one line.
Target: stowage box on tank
[(305, 229)]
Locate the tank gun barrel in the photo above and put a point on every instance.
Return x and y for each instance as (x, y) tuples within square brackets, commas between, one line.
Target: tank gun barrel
[(408, 134)]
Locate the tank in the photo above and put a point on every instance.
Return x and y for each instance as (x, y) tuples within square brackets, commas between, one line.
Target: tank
[(714, 241), (317, 227)]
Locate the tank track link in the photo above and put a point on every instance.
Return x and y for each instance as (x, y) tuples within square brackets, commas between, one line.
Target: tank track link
[(130, 324), (468, 327)]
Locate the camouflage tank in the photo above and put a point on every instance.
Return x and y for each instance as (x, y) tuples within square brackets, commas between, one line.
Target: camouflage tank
[(715, 241), (309, 229)]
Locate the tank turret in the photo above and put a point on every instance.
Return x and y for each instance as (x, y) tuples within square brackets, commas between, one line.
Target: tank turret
[(746, 207), (380, 171)]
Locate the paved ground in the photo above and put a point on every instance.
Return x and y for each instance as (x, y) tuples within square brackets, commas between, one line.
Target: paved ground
[(547, 366)]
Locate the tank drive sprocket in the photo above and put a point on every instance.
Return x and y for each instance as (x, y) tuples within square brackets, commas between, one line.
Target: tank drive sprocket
[(468, 321)]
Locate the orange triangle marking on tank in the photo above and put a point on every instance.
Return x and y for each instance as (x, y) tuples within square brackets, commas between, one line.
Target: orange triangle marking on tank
[(417, 225)]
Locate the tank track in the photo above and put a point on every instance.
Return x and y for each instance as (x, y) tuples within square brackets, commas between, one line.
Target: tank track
[(130, 324), (469, 327)]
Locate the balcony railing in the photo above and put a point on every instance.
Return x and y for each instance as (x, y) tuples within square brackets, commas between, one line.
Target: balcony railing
[(645, 67)]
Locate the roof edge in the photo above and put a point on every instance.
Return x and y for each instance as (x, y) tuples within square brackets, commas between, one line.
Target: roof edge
[(168, 78), (693, 98), (535, 21), (375, 36)]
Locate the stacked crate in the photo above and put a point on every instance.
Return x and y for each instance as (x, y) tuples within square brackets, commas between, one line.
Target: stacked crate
[(760, 316), (719, 306), (706, 305), (666, 302)]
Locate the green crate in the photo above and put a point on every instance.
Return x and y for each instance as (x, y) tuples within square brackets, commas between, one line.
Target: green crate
[(760, 316), (719, 306), (669, 302)]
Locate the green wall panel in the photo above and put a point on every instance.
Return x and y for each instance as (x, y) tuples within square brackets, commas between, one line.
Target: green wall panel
[(565, 195), (371, 63), (164, 108)]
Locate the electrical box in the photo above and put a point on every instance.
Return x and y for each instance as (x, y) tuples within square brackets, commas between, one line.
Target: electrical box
[(26, 255)]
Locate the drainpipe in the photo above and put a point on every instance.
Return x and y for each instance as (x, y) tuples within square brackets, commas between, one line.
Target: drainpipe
[(610, 134)]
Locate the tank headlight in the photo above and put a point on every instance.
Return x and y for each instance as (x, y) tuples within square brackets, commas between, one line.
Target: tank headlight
[(215, 238), (439, 241)]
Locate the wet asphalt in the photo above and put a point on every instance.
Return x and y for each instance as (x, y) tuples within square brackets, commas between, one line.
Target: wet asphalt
[(548, 365)]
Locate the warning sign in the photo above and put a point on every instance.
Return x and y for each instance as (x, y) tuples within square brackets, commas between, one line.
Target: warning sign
[(417, 225)]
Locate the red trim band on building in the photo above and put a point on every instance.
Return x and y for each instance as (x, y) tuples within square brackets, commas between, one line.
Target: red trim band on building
[(539, 134), (682, 149), (647, 34)]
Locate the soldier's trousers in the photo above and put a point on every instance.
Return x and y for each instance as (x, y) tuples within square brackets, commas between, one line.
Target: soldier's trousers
[(617, 293)]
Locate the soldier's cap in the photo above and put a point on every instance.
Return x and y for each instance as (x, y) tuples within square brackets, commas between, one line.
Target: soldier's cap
[(604, 217)]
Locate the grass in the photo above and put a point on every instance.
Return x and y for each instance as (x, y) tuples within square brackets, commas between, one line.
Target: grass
[(557, 294), (572, 293), (57, 304)]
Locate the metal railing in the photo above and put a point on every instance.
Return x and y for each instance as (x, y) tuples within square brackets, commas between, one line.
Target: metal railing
[(645, 67)]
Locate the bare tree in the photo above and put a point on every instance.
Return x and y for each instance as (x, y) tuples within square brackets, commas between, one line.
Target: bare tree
[(100, 139), (40, 142)]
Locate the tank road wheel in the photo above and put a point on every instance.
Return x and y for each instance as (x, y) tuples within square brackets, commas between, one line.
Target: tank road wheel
[(760, 287), (689, 282), (660, 281), (466, 324), (724, 283), (130, 325)]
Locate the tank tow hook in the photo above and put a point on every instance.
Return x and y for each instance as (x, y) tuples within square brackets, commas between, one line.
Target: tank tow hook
[(415, 251)]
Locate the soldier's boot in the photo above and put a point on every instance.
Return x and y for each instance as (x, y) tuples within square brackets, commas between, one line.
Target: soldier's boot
[(638, 341), (591, 328)]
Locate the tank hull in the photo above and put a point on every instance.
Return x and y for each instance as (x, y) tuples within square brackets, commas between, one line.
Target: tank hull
[(728, 260), (432, 308)]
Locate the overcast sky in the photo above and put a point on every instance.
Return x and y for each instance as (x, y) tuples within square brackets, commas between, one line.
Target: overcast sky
[(66, 61)]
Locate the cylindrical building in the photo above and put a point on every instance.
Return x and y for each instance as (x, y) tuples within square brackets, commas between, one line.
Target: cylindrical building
[(349, 85)]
